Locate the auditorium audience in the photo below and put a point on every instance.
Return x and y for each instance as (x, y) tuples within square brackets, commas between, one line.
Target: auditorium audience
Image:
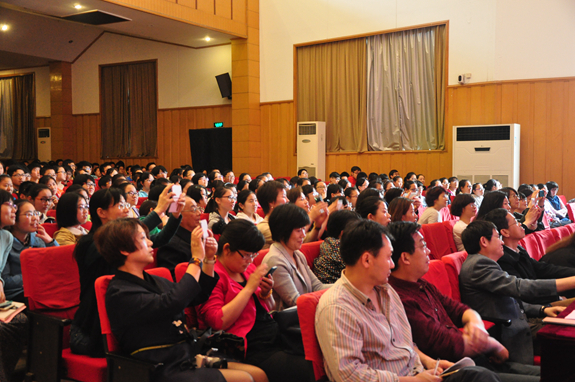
[(436, 199), (293, 276), (71, 213)]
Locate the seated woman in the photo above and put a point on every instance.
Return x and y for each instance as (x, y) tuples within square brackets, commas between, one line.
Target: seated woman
[(132, 198), (402, 209), (71, 213), (373, 208), (464, 187), (333, 190), (220, 205), (41, 197), (28, 233), (293, 276), (241, 300), (328, 265), (146, 310), (247, 206), (105, 206), (144, 183), (13, 334), (6, 183), (492, 185), (436, 199), (477, 192), (463, 206), (321, 189), (51, 183)]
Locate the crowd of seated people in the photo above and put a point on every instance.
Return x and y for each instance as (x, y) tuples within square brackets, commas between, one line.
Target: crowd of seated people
[(249, 214)]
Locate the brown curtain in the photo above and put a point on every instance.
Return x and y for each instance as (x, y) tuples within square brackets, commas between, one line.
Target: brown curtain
[(440, 79), (331, 82), (129, 109), (18, 109), (143, 109)]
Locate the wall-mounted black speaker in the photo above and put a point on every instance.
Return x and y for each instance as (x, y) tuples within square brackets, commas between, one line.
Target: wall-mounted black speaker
[(225, 84)]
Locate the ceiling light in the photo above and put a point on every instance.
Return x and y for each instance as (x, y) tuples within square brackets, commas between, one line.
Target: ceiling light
[(78, 6), (207, 39), (4, 27)]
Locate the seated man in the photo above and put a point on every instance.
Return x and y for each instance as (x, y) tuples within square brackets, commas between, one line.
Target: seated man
[(179, 249), (434, 318), (361, 324), (492, 292)]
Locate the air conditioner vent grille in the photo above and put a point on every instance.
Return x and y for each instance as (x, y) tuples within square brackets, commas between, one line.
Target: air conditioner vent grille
[(307, 128), (484, 133)]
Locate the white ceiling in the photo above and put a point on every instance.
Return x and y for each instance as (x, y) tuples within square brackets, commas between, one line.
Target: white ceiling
[(38, 35)]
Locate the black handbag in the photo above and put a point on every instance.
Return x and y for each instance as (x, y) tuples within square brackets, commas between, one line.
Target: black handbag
[(289, 330)]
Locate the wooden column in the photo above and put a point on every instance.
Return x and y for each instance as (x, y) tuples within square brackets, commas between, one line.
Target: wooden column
[(61, 110), (246, 118)]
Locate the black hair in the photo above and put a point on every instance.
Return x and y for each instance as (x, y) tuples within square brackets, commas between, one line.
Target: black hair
[(360, 182), (491, 201), (462, 184), (67, 210), (255, 184), (402, 233), (103, 180), (155, 192), (242, 197), (338, 220), (25, 188), (268, 193), (392, 172), (460, 202), (147, 206), (433, 194), (83, 179), (102, 199), (473, 234), (141, 179), (156, 170), (392, 194), (359, 237), (333, 189), (36, 189), (349, 190), (355, 168), (410, 174), (551, 185), (199, 175), (490, 184), (368, 206), (498, 217), (241, 234), (343, 184), (334, 175), (15, 167), (5, 196), (284, 219), (195, 192), (212, 204), (300, 171)]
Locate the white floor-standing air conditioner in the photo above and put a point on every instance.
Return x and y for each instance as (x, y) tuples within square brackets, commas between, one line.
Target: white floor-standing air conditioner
[(311, 148), (483, 152), (44, 136)]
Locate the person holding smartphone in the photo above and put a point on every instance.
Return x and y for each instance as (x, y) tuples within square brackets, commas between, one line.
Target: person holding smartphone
[(241, 301)]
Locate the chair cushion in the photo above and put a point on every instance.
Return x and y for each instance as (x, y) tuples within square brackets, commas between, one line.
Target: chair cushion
[(84, 368), (437, 275)]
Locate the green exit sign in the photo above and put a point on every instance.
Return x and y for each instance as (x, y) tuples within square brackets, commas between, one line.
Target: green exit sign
[(218, 124)]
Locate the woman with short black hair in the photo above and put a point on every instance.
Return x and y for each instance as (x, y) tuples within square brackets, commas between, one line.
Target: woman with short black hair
[(71, 213)]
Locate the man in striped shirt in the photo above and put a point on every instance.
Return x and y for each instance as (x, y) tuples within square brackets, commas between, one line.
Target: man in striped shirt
[(361, 325)]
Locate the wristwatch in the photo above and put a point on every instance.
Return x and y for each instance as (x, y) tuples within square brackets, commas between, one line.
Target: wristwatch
[(210, 262)]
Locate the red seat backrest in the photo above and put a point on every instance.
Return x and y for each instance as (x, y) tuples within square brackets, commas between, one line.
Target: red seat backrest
[(260, 212), (101, 287), (529, 242), (51, 280), (141, 200), (306, 306), (453, 265), (87, 225), (311, 251), (258, 260), (439, 239), (561, 232), (570, 228), (51, 213), (191, 313), (563, 199), (571, 211), (50, 228), (544, 239), (437, 275)]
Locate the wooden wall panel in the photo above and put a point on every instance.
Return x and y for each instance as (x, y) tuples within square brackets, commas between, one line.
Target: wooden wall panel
[(173, 137), (544, 108), (43, 122)]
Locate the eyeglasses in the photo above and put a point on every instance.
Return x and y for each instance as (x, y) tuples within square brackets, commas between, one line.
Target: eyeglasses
[(423, 245), (250, 256), (45, 200), (61, 172), (84, 207), (192, 209), (132, 193), (29, 214), (90, 184), (18, 175), (10, 204), (123, 205), (231, 198)]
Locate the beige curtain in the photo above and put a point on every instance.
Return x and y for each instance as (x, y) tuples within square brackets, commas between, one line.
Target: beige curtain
[(331, 82), (129, 110), (440, 81), (402, 92), (17, 118)]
